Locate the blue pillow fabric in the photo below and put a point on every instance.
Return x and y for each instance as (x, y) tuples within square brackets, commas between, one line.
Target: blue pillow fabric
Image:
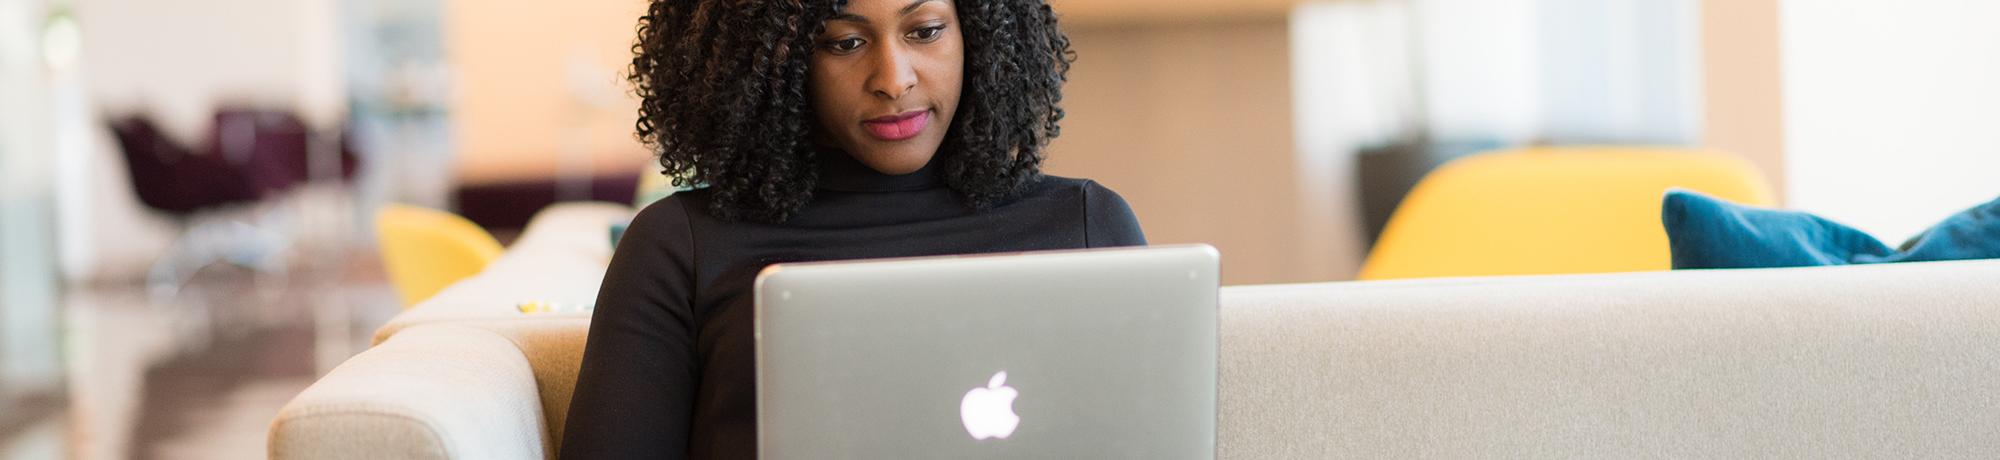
[(1705, 232)]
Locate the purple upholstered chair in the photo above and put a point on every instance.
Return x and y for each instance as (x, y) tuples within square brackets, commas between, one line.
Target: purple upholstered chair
[(170, 177), (253, 157)]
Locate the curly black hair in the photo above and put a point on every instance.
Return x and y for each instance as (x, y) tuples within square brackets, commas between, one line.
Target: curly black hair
[(723, 96)]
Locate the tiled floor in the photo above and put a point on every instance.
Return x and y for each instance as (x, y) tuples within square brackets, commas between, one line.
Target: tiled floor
[(199, 375)]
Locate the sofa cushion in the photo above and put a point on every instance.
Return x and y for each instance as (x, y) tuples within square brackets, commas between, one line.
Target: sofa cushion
[(1705, 232)]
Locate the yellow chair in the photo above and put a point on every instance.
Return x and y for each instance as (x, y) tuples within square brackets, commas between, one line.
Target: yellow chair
[(1550, 210), (426, 250)]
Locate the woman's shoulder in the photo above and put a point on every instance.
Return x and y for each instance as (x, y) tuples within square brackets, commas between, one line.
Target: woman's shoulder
[(1108, 218), (673, 215), (1045, 183), (1090, 193), (681, 207)]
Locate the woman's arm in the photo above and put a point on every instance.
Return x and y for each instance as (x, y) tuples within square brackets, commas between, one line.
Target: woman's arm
[(635, 392)]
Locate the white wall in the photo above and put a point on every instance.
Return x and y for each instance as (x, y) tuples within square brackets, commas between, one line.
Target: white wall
[(1516, 71), (1624, 71), (29, 330), (180, 58), (1892, 110), (177, 61), (1352, 86), (1479, 65)]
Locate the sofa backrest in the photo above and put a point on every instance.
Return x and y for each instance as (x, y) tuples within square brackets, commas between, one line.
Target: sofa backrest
[(1847, 361), (1858, 361)]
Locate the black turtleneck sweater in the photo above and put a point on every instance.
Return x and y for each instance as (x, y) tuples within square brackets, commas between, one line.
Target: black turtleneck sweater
[(668, 371)]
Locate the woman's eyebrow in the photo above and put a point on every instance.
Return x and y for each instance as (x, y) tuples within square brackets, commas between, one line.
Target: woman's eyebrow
[(849, 17), (905, 11), (913, 7)]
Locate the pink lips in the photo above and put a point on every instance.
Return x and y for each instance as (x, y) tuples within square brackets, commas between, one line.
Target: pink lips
[(898, 127)]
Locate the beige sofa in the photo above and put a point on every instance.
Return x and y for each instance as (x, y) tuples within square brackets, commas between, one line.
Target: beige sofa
[(1874, 361)]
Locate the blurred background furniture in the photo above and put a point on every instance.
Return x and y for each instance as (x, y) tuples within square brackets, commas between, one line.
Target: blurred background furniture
[(505, 207), (280, 148), (564, 250), (228, 195), (1550, 210), (171, 178), (195, 188), (425, 250), (1386, 173)]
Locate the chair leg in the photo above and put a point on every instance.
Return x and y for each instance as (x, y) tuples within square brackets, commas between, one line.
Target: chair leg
[(214, 238), (177, 265)]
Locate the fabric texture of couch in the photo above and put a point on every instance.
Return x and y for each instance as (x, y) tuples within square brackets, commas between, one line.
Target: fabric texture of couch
[(1857, 361)]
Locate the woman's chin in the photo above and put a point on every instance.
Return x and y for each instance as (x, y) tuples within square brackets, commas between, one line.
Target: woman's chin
[(897, 160)]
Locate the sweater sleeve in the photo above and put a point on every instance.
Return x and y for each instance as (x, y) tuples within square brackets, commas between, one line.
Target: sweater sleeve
[(1108, 221), (635, 391)]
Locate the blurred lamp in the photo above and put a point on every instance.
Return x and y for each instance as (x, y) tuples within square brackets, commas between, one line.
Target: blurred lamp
[(62, 41)]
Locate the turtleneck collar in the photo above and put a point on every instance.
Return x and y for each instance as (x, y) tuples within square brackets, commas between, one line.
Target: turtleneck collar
[(840, 172)]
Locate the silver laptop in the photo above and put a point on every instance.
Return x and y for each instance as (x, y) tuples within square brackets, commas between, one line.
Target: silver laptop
[(1106, 353)]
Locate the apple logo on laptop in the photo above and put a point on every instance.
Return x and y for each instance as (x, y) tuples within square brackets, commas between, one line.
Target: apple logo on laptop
[(989, 412)]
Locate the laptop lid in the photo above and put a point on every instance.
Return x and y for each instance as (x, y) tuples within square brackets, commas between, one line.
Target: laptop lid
[(1105, 353)]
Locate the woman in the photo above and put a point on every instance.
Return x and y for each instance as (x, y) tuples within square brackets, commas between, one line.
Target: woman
[(814, 130)]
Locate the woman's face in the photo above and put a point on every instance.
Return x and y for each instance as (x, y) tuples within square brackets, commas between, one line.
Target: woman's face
[(885, 81)]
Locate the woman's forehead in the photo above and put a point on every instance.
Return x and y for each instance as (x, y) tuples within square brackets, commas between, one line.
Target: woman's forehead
[(887, 8)]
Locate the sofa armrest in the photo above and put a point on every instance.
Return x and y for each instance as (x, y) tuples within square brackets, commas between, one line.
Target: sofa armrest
[(432, 392)]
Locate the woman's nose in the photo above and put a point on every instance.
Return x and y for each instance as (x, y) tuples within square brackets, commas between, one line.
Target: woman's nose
[(893, 76)]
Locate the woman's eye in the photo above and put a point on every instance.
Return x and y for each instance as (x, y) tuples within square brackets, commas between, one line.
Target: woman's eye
[(927, 34), (844, 45)]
